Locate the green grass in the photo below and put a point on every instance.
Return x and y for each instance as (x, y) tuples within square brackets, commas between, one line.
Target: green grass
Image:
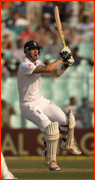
[(55, 175), (70, 169)]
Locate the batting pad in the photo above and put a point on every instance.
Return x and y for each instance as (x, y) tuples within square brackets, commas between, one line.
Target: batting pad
[(52, 136), (70, 137), (71, 120)]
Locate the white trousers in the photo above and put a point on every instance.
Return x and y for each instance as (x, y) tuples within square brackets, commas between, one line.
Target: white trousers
[(42, 112), (5, 173), (4, 169)]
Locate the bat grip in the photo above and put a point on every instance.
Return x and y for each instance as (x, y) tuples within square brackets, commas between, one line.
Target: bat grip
[(64, 45)]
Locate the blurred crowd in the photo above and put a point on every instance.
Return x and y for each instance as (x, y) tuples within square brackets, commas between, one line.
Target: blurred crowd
[(83, 114), (25, 20)]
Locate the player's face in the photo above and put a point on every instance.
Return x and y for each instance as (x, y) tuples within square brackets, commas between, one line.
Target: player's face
[(34, 54)]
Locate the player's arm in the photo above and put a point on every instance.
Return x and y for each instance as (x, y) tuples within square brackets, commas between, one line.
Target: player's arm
[(68, 61), (58, 72), (54, 73), (50, 68)]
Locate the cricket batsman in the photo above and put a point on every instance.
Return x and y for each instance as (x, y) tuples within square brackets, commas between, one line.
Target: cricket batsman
[(40, 110)]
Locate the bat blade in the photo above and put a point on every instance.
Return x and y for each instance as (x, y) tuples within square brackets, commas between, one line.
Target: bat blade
[(58, 22)]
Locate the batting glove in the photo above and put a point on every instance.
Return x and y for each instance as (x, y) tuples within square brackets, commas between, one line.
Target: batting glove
[(68, 61), (65, 52)]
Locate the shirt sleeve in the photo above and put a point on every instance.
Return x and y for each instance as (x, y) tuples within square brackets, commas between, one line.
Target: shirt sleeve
[(39, 63), (29, 68)]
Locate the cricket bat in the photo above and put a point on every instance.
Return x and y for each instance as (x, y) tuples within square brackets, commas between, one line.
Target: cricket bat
[(59, 26)]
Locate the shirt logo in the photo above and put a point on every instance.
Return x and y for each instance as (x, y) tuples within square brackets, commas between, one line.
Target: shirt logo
[(30, 65)]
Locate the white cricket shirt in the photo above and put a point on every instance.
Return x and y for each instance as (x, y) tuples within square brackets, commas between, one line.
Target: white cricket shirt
[(29, 83)]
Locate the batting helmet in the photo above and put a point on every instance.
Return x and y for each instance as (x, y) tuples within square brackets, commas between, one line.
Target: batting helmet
[(31, 45)]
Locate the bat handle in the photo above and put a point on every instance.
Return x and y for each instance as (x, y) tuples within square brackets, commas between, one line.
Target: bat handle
[(64, 45)]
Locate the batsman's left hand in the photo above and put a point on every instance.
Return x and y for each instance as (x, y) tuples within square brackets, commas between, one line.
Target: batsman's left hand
[(65, 52)]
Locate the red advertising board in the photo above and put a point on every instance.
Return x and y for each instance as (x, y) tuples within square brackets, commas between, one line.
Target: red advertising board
[(30, 142)]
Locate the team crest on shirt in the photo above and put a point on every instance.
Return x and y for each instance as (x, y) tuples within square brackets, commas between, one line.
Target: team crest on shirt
[(30, 65)]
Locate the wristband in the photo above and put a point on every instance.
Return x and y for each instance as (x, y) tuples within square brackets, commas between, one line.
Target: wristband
[(58, 61)]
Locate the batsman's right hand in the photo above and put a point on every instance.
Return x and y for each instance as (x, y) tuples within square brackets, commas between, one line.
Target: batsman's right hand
[(65, 52), (69, 60)]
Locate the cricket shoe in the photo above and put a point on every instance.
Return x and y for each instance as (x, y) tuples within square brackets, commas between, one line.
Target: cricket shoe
[(74, 150), (53, 166)]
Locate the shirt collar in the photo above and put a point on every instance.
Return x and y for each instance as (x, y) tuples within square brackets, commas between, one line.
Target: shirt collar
[(28, 60)]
